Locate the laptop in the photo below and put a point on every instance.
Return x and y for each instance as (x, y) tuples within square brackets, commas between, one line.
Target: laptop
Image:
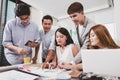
[(101, 61)]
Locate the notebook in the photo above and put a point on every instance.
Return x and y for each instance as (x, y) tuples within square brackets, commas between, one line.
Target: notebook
[(101, 61)]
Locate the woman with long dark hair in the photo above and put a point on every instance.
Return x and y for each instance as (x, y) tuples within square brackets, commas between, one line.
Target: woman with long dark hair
[(66, 50)]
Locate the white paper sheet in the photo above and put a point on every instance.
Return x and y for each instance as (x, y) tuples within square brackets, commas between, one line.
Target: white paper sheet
[(48, 73), (16, 75)]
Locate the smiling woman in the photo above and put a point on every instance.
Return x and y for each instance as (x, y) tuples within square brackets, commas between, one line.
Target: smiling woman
[(100, 38)]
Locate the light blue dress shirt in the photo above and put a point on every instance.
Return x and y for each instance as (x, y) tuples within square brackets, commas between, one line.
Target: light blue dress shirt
[(46, 39), (17, 34)]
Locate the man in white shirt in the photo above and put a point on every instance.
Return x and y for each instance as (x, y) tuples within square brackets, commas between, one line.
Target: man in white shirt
[(76, 13)]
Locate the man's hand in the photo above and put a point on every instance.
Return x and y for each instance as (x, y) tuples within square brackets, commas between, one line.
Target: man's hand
[(22, 51), (34, 59), (45, 65)]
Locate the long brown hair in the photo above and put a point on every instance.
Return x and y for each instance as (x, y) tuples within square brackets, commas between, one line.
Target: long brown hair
[(104, 37)]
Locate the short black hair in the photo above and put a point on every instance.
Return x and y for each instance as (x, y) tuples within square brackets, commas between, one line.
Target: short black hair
[(47, 17), (65, 32), (22, 9), (75, 7)]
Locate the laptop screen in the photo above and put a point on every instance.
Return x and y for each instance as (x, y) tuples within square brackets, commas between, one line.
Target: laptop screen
[(101, 61)]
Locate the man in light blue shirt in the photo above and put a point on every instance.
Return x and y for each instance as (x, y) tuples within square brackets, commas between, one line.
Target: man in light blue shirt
[(16, 33), (46, 36)]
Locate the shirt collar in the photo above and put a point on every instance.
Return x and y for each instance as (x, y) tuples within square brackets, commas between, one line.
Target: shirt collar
[(86, 22)]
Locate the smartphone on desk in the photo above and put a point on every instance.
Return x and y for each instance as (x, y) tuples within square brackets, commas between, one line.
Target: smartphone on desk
[(31, 44)]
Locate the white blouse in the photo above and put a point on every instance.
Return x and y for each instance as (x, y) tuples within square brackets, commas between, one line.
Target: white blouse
[(66, 56)]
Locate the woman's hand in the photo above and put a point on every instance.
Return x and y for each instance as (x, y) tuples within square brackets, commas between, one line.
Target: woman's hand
[(52, 65), (66, 66)]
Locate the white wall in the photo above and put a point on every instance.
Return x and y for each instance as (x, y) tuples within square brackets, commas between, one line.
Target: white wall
[(36, 16), (102, 16), (117, 18), (67, 23)]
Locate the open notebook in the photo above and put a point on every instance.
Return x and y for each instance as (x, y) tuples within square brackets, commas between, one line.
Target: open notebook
[(101, 61)]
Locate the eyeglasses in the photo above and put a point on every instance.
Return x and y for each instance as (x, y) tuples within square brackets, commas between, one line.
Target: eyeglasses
[(23, 18)]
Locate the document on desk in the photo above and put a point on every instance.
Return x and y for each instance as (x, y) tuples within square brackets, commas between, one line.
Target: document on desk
[(48, 73), (16, 75)]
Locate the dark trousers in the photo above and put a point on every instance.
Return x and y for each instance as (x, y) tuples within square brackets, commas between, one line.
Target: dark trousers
[(43, 59), (4, 61)]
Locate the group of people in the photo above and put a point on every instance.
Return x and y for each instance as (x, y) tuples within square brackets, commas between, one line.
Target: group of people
[(58, 48)]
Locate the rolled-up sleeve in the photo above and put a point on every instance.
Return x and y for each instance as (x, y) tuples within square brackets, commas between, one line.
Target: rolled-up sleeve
[(7, 37), (52, 44)]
